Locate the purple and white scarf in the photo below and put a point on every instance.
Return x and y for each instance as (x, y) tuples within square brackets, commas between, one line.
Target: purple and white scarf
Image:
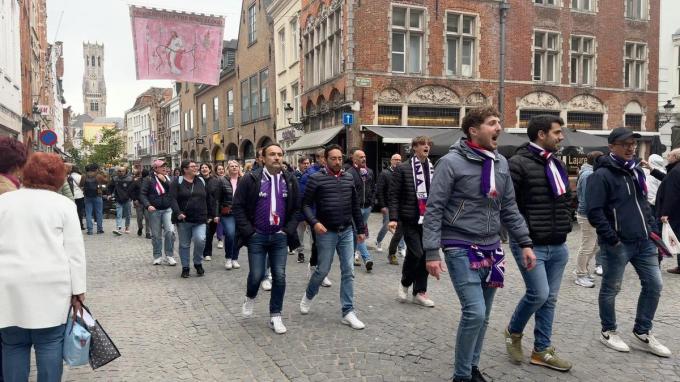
[(421, 185), (488, 182), (274, 218), (557, 176), (634, 169), (483, 256)]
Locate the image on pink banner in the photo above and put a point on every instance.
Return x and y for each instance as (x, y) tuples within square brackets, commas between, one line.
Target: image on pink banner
[(177, 46)]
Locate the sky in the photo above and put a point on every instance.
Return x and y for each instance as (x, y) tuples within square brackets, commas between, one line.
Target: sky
[(108, 22)]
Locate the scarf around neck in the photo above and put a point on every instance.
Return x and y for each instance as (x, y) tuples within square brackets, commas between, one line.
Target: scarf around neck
[(557, 176), (488, 179), (420, 184), (274, 218), (632, 167), (159, 186)]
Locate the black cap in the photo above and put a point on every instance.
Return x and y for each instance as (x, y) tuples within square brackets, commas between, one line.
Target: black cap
[(621, 134)]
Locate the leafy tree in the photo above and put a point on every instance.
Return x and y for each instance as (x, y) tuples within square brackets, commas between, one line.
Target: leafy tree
[(109, 150)]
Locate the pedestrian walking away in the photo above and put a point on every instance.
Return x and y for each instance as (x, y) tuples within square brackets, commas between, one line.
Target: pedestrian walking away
[(227, 220), (618, 209), (544, 199), (157, 201), (302, 228), (331, 206), (382, 190), (94, 185), (78, 195), (119, 189), (364, 183), (668, 203), (214, 187), (588, 247), (142, 214), (470, 196), (409, 188), (265, 204)]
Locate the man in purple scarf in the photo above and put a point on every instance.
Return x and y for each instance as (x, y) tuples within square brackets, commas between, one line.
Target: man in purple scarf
[(544, 199)]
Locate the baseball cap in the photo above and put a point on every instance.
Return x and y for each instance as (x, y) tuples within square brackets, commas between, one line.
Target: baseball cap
[(158, 163), (621, 134)]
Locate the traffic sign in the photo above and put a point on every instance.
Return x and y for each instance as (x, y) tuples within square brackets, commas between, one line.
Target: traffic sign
[(48, 137), (347, 119), (199, 141)]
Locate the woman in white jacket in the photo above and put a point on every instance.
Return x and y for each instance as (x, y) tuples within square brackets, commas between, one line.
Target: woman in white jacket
[(42, 269)]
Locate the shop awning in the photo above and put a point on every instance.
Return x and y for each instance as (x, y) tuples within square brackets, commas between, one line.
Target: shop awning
[(315, 139), (404, 134)]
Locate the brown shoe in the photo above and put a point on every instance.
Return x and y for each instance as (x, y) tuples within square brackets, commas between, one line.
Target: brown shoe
[(392, 259), (675, 271)]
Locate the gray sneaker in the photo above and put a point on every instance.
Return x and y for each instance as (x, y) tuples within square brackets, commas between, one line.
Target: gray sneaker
[(513, 345)]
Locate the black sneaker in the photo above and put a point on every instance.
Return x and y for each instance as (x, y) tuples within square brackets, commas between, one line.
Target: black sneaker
[(148, 236), (369, 266), (199, 270), (185, 273), (477, 375), (139, 232), (301, 257), (100, 232)]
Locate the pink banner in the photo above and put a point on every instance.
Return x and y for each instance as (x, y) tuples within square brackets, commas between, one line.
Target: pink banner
[(177, 46)]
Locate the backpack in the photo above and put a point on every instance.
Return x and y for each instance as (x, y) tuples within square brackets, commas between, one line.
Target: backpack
[(91, 187)]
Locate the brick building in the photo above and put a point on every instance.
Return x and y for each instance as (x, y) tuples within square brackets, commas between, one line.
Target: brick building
[(427, 61)]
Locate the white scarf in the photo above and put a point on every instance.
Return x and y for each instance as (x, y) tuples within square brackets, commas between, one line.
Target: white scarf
[(274, 184), (555, 176), (420, 184)]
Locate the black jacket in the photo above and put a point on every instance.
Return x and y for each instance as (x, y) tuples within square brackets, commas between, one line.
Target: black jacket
[(192, 200), (332, 201), (402, 202), (548, 218), (135, 189), (214, 187), (120, 188), (382, 187), (667, 199), (617, 207), (365, 188), (245, 203), (148, 195), (226, 195)]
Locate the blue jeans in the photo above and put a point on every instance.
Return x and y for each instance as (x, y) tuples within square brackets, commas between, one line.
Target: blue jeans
[(476, 302), (383, 231), (643, 256), (326, 246), (189, 232), (361, 247), (16, 353), (275, 247), (542, 287), (162, 228), (94, 205), (228, 224), (123, 211)]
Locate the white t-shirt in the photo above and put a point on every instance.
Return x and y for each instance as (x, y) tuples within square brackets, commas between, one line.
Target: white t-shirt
[(77, 191)]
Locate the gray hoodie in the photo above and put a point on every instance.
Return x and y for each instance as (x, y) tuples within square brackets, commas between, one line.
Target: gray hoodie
[(457, 210)]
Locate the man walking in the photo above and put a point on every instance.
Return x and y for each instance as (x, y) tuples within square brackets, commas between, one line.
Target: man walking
[(543, 198), (155, 198), (94, 185), (364, 183), (265, 204), (382, 191), (303, 165), (119, 189), (141, 212), (668, 205), (331, 207), (470, 195), (409, 188), (588, 247), (619, 211)]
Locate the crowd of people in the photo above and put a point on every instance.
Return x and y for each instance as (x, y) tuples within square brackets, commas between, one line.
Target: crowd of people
[(444, 215)]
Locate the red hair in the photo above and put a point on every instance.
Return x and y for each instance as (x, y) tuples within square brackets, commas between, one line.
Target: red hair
[(45, 172)]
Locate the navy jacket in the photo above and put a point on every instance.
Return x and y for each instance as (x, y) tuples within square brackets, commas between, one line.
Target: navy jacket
[(332, 201)]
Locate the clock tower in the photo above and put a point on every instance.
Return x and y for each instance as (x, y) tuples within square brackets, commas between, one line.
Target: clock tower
[(94, 87)]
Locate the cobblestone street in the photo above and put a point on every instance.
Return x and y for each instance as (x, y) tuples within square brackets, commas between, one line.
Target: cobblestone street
[(171, 329)]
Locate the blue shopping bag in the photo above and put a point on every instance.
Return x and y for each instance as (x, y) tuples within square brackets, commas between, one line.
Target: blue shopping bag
[(76, 342)]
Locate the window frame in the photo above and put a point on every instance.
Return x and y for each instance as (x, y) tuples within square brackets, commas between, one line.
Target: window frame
[(264, 96), (545, 52), (245, 101), (635, 60), (581, 55), (281, 34), (322, 49), (252, 23), (542, 3), (230, 108), (461, 37), (294, 48), (408, 31), (643, 8), (592, 8)]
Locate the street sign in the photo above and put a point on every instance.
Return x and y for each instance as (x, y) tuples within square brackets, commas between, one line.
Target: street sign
[(362, 82), (347, 119), (48, 137), (199, 141)]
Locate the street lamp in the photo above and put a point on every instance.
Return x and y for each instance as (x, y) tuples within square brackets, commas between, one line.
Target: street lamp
[(668, 111), (296, 125)]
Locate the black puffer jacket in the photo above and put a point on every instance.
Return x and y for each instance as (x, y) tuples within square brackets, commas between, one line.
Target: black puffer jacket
[(402, 202), (335, 200), (120, 188), (148, 195), (214, 188), (382, 187), (226, 196), (548, 218), (192, 200), (365, 187)]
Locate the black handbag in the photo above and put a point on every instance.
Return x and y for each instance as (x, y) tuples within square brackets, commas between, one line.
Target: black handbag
[(102, 348)]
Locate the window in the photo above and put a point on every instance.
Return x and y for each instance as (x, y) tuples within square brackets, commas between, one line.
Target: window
[(251, 24), (283, 96), (433, 116), (245, 101), (636, 9), (525, 115), (264, 93), (635, 59), (583, 5), (216, 114), (282, 48), (634, 121), (204, 118), (254, 99), (99, 61), (389, 115), (322, 50), (230, 109), (546, 56), (407, 40), (294, 41), (546, 2), (191, 123), (296, 102), (582, 58), (460, 44), (584, 121), (92, 60)]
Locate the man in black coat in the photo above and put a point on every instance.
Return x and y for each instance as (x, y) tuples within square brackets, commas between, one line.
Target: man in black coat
[(264, 206), (543, 197), (156, 200), (119, 188), (667, 200), (382, 189), (364, 183), (409, 188)]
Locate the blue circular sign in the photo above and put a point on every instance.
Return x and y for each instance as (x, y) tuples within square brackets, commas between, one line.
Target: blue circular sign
[(48, 137)]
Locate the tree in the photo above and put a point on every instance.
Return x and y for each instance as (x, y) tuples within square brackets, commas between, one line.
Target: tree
[(108, 151)]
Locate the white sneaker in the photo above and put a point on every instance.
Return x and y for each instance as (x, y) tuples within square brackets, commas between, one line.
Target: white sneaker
[(584, 282), (158, 261), (267, 284), (591, 277), (220, 244), (378, 246), (402, 293), (423, 299), (598, 270), (305, 304), (228, 265), (247, 308), (612, 340), (235, 264), (326, 282), (352, 320), (649, 343), (207, 258), (277, 324), (169, 260)]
